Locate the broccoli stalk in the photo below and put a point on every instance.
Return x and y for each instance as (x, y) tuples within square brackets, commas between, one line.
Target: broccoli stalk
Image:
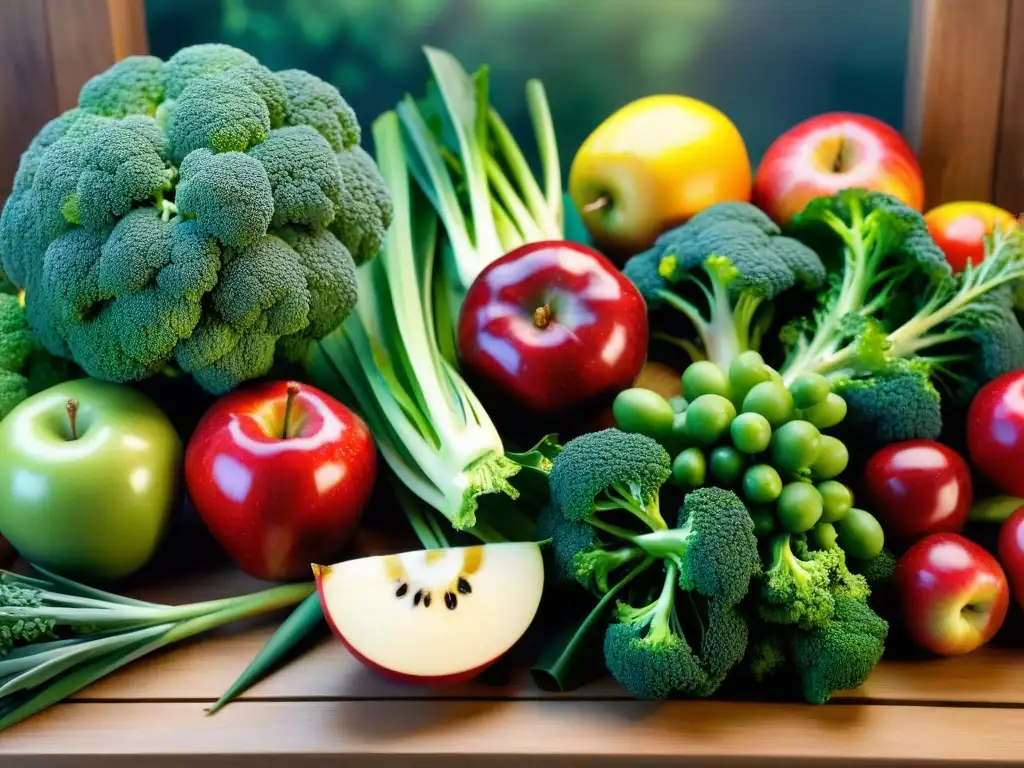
[(974, 308)]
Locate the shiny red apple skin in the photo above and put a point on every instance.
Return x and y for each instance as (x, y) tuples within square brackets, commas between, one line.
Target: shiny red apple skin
[(1010, 548), (592, 347), (919, 487), (995, 432), (278, 504), (834, 151), (954, 594)]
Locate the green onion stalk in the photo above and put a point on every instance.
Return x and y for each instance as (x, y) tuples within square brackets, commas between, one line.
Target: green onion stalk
[(464, 195), (58, 636)]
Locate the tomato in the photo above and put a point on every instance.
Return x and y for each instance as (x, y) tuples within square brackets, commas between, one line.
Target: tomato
[(995, 432), (1011, 552), (919, 487)]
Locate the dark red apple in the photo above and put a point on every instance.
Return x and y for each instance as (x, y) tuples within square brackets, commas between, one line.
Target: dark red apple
[(919, 487), (834, 151), (1011, 552), (553, 326), (953, 593), (280, 472), (995, 432)]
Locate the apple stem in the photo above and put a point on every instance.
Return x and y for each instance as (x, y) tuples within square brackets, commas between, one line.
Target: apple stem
[(542, 316), (72, 409), (293, 390), (839, 161), (596, 205)]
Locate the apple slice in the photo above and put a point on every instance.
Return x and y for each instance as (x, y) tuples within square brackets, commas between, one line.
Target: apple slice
[(436, 616)]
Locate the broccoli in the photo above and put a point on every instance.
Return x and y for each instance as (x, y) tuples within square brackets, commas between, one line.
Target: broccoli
[(840, 655), (25, 368), (605, 520), (202, 215), (362, 217), (795, 590), (131, 86), (878, 570), (599, 472), (647, 652), (896, 302), (722, 270), (899, 403)]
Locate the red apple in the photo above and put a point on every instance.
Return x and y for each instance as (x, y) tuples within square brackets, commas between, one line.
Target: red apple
[(552, 326), (960, 229), (1011, 552), (954, 594), (280, 473), (919, 487), (834, 151), (995, 432)]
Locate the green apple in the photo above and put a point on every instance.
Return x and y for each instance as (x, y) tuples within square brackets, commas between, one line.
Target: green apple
[(90, 474)]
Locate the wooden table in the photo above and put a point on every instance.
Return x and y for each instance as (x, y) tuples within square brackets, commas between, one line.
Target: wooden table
[(326, 710)]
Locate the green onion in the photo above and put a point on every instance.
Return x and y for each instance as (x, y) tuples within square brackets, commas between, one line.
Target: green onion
[(464, 195), (58, 636)]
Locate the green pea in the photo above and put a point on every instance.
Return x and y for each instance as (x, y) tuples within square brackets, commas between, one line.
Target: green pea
[(708, 418), (860, 534), (727, 466), (795, 445), (704, 378), (751, 432), (761, 484), (809, 389), (772, 400), (832, 458), (643, 411), (799, 507), (689, 469), (837, 500)]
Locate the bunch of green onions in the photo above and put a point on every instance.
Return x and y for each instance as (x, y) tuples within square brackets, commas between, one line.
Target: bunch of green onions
[(464, 195), (58, 636)]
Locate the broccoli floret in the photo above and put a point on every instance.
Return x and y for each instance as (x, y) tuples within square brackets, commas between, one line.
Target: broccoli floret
[(124, 163), (312, 101), (261, 295), (713, 546), (303, 173), (647, 652), (228, 194), (876, 571), (25, 368), (665, 649), (767, 652), (722, 270), (365, 211), (610, 470), (173, 221), (795, 590), (898, 403), (841, 655), (132, 86), (330, 274), (196, 61), (264, 84), (218, 114)]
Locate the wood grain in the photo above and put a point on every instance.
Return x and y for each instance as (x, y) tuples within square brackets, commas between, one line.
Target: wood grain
[(954, 94), (27, 98), (1009, 182), (620, 733)]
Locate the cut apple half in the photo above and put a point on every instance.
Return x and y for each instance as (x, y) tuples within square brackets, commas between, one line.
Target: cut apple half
[(433, 616)]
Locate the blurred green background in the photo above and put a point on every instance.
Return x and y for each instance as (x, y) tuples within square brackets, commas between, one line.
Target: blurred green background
[(766, 63)]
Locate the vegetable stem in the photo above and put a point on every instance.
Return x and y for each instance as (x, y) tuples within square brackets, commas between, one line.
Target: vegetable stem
[(72, 410)]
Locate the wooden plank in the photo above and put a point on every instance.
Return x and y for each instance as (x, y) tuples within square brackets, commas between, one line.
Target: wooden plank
[(202, 670), (546, 733), (81, 45), (1009, 186), (953, 95), (128, 28), (27, 98)]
